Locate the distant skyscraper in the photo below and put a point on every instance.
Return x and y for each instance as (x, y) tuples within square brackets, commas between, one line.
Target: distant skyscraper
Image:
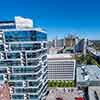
[(85, 47), (60, 43), (54, 42), (79, 47), (70, 41), (57, 43), (23, 59)]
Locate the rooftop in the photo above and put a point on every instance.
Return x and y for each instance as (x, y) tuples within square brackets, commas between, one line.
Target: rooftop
[(20, 23), (88, 73), (26, 29), (61, 56)]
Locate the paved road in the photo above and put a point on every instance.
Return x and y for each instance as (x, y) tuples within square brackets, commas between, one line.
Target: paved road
[(64, 93)]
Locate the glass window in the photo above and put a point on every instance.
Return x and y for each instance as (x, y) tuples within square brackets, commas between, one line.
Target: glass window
[(1, 77), (25, 36), (34, 97), (36, 69), (7, 25), (3, 70), (15, 47), (31, 55), (25, 77), (45, 69), (32, 83), (40, 36), (18, 97), (26, 70), (18, 36), (44, 75), (16, 84), (45, 45), (33, 62), (23, 70), (44, 51), (34, 46), (44, 58), (13, 55), (10, 63), (1, 47), (27, 90)]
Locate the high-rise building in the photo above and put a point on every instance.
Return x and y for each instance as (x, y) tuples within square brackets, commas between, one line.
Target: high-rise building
[(70, 41), (79, 47), (58, 43), (23, 59)]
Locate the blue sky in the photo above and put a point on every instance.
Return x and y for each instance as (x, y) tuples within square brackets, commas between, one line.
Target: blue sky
[(58, 17)]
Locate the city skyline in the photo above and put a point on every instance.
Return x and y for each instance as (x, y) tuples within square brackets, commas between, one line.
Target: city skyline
[(59, 18)]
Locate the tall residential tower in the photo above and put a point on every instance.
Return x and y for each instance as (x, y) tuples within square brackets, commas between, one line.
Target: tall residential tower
[(23, 59)]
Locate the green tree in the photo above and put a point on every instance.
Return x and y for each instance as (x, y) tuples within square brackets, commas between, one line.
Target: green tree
[(57, 83), (66, 84), (49, 83), (73, 83), (60, 83), (53, 83), (69, 83), (95, 62)]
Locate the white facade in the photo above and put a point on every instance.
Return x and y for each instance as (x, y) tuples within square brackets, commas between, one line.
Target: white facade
[(61, 67), (23, 22)]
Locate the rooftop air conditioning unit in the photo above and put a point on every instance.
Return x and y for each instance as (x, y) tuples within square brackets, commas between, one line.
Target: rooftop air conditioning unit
[(86, 77)]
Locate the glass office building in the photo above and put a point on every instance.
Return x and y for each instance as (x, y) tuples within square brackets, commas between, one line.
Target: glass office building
[(23, 61)]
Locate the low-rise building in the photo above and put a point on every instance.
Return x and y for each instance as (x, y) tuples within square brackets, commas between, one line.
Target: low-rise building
[(4, 92), (88, 75), (61, 67)]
